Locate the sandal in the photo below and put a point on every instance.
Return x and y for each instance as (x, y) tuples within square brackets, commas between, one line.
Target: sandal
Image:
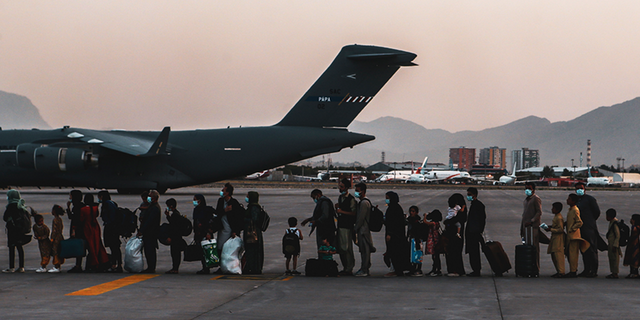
[(632, 276)]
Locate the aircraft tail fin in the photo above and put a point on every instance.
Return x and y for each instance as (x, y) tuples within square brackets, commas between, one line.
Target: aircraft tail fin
[(351, 81)]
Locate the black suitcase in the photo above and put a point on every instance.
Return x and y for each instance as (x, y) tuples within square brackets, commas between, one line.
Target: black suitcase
[(320, 268), (498, 259), (526, 257)]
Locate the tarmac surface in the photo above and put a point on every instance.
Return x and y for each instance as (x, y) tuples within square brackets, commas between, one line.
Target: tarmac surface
[(274, 295)]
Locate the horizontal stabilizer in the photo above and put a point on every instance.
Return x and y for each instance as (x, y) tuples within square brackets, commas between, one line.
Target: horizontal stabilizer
[(133, 143)]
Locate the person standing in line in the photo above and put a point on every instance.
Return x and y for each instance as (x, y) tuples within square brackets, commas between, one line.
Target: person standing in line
[(56, 238), (531, 217), (97, 259), (365, 242), (398, 249), (346, 213), (231, 214), (475, 227), (110, 219), (432, 244), (149, 228), (203, 217), (556, 243), (41, 233), (454, 232), (15, 237), (589, 212), (74, 206), (176, 243), (632, 252), (574, 236), (253, 240), (322, 219), (613, 244)]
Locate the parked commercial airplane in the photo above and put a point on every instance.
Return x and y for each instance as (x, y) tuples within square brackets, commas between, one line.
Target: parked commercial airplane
[(258, 175), (437, 175), (597, 181), (509, 178), (131, 161)]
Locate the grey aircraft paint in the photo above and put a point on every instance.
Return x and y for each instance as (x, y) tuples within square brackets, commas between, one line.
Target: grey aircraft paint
[(134, 160)]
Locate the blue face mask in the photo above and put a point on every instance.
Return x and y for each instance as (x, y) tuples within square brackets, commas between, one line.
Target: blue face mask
[(99, 201), (315, 200), (222, 193), (469, 198), (149, 199), (168, 209), (343, 193), (357, 194), (528, 192), (580, 192), (387, 201), (195, 203), (246, 199)]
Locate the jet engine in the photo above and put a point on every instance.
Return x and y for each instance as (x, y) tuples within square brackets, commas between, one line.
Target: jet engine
[(54, 159)]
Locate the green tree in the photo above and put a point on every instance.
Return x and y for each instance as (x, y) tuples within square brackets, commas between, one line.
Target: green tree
[(547, 172)]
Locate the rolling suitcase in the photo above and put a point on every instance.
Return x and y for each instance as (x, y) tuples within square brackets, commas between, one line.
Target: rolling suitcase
[(321, 268), (498, 259), (527, 256)]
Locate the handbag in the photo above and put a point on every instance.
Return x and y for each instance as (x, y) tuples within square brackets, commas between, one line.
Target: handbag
[(193, 252), (72, 248), (210, 251)]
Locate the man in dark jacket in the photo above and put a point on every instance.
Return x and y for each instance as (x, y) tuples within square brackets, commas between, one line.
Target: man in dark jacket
[(149, 227), (475, 227), (589, 213), (322, 219)]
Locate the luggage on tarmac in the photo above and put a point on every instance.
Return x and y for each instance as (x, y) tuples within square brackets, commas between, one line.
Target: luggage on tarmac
[(320, 268), (72, 248), (231, 254), (498, 259), (193, 252), (133, 255), (210, 251), (527, 256)]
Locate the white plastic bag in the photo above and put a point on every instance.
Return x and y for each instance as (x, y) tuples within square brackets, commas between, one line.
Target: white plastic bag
[(133, 255), (231, 253)]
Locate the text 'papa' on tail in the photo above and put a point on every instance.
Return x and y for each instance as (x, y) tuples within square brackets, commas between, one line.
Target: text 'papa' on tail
[(347, 86)]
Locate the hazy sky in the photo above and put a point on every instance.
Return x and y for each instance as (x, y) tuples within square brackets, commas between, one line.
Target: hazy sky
[(208, 64)]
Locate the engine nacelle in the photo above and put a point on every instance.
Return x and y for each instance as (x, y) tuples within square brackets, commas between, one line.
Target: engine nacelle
[(54, 159)]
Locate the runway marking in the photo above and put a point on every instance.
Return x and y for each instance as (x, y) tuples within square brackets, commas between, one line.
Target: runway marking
[(257, 277), (112, 285)]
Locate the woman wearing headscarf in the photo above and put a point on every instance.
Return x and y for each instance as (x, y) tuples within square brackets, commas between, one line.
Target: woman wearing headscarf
[(398, 249), (74, 205), (253, 241), (13, 216), (455, 266), (202, 218), (97, 259)]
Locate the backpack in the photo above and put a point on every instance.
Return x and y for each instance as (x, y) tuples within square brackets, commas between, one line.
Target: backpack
[(624, 233), (184, 226), (127, 222), (376, 219), (265, 220), (22, 221), (290, 243)]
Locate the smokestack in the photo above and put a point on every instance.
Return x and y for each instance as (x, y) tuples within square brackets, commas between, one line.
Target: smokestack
[(588, 153)]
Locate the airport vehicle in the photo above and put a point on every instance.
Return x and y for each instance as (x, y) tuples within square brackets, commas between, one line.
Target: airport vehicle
[(132, 161), (597, 181)]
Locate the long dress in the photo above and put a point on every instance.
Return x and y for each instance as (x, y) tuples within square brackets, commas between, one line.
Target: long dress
[(91, 229), (398, 248), (632, 252), (254, 247)]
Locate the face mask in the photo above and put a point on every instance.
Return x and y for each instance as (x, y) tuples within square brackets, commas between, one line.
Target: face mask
[(469, 198), (246, 199), (580, 192), (343, 193), (357, 194), (149, 199), (99, 201), (222, 193), (528, 192), (315, 200), (168, 209), (195, 203), (387, 201)]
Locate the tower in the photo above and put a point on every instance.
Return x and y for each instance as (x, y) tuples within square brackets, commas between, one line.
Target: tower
[(588, 153)]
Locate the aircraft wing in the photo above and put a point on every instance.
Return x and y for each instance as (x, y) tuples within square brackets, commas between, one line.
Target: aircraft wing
[(126, 142)]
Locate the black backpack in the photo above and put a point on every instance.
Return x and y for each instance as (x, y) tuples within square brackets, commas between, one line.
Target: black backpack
[(22, 221), (290, 243), (624, 233), (127, 222), (184, 226), (376, 218), (265, 219)]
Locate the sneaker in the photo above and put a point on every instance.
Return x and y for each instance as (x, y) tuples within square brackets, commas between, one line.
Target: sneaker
[(54, 270), (9, 270), (295, 272), (436, 274), (20, 270), (389, 275), (416, 274), (41, 270), (361, 273), (452, 274)]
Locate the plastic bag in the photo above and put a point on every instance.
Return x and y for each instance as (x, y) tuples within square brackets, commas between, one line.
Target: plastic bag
[(416, 254), (231, 253), (210, 250), (133, 255)]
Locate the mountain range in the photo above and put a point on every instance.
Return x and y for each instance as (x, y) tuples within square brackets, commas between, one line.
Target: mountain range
[(614, 132), (19, 113)]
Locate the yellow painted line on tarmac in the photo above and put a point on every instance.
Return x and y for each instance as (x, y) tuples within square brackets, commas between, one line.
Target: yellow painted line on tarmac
[(112, 285)]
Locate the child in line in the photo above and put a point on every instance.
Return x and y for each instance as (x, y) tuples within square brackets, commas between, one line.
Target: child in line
[(452, 212), (291, 245), (576, 243), (415, 230), (632, 252), (56, 238), (433, 245), (41, 233), (326, 251), (556, 244), (613, 244)]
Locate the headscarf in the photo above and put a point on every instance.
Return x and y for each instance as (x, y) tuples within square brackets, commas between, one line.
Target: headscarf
[(393, 197), (201, 200), (13, 196), (253, 197)]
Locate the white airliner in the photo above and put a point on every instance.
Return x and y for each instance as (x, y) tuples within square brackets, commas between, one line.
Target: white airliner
[(597, 181), (508, 178), (258, 175), (401, 175), (436, 175)]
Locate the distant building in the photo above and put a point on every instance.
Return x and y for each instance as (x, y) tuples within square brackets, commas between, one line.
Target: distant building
[(525, 158), (493, 156), (463, 158)]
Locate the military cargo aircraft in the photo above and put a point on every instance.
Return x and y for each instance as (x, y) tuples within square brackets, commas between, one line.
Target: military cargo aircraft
[(132, 161)]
